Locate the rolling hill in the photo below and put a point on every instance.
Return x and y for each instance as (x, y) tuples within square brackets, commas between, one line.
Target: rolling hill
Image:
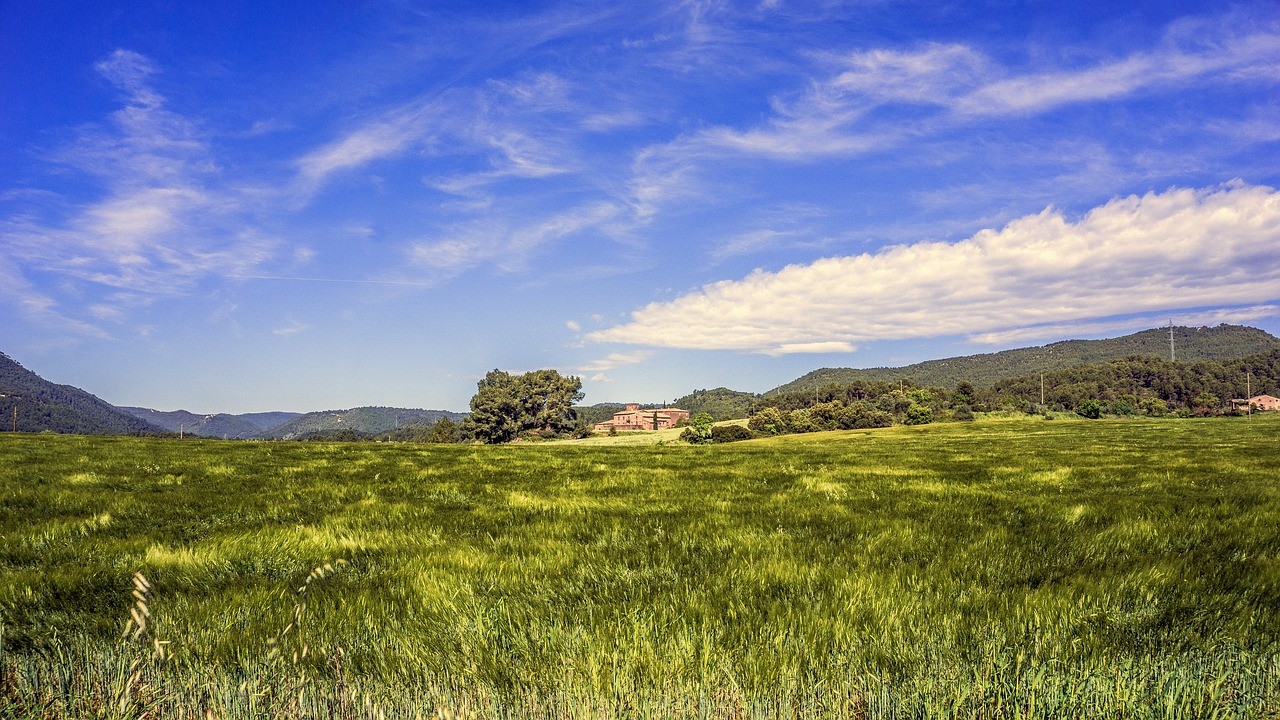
[(45, 406), (220, 425), (363, 420), (1192, 344)]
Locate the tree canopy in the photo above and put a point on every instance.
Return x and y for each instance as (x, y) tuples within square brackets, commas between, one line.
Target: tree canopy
[(506, 406)]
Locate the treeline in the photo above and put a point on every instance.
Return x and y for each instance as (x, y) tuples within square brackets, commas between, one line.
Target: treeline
[(861, 404), (1129, 386), (1142, 385), (443, 430)]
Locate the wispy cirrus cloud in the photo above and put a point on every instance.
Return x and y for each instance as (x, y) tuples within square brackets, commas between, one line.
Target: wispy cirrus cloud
[(1177, 250), (874, 100), (508, 245), (522, 127), (157, 220)]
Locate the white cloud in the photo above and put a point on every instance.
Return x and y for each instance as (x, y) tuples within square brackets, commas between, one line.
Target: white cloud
[(1175, 250), (617, 360), (573, 325), (836, 346)]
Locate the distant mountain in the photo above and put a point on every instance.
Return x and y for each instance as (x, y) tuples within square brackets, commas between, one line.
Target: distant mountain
[(363, 420), (45, 406), (268, 420), (1191, 344), (220, 425)]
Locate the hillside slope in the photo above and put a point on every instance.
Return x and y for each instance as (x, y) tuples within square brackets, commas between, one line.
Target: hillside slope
[(1192, 344), (46, 406)]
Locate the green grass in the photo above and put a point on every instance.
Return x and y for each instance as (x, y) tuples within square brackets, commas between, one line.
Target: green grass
[(1024, 568)]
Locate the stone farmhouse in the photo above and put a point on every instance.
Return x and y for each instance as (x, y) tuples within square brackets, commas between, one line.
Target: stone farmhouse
[(1262, 403), (633, 418)]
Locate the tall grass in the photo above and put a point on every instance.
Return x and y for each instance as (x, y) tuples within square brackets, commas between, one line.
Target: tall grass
[(1014, 569)]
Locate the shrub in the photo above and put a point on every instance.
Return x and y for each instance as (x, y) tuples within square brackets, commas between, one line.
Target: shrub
[(730, 433), (801, 421), (963, 414), (874, 419), (1090, 408), (768, 421), (918, 415)]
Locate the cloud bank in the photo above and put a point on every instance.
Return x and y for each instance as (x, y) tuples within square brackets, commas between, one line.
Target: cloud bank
[(1181, 249)]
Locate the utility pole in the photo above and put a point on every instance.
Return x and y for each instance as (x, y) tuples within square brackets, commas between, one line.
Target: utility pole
[(181, 428), (1171, 358), (1041, 390), (1248, 393)]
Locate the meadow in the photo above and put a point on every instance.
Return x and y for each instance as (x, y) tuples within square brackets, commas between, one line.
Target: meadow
[(1026, 568)]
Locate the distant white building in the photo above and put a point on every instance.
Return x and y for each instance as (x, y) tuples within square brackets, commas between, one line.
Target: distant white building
[(1261, 403)]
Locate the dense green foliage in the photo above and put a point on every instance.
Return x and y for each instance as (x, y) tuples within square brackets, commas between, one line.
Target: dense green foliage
[(45, 406), (698, 429), (1192, 345), (1129, 386), (1136, 385), (858, 405), (539, 402), (1115, 568)]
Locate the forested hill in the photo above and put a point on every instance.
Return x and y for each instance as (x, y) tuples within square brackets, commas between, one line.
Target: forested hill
[(219, 426), (1125, 386), (1191, 344), (720, 403), (45, 406), (361, 420)]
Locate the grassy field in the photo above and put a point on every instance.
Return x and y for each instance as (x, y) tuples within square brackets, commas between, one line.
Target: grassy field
[(1027, 568)]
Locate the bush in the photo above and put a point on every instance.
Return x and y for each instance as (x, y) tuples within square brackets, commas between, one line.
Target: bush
[(768, 421), (699, 430), (801, 421), (730, 433), (874, 419), (918, 415), (963, 414), (1091, 409)]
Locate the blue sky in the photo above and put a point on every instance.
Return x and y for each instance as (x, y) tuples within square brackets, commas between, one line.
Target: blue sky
[(274, 206)]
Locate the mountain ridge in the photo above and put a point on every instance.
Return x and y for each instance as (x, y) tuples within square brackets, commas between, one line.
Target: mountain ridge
[(223, 425), (43, 405), (1191, 344), (366, 420)]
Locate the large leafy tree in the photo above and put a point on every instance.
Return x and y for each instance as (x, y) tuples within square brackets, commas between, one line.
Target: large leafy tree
[(506, 405)]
